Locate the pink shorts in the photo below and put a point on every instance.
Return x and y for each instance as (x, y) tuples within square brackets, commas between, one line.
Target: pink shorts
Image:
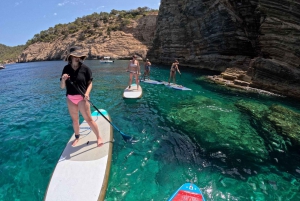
[(75, 98)]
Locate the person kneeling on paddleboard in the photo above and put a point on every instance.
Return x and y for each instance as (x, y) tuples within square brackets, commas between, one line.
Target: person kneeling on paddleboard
[(76, 73)]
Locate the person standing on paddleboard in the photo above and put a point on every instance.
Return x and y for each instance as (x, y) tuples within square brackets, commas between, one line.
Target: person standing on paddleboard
[(80, 75), (147, 69), (134, 69), (173, 70)]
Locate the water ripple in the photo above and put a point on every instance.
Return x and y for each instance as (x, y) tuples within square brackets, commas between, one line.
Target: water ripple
[(197, 136)]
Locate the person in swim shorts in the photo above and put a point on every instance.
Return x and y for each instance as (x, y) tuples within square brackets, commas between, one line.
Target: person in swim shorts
[(81, 76), (147, 69), (134, 69), (174, 68)]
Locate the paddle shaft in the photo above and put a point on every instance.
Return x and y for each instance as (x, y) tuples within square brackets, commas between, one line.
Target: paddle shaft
[(125, 137), (133, 72)]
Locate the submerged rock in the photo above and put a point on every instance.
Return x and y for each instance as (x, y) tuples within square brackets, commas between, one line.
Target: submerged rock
[(285, 122), (215, 124), (278, 125)]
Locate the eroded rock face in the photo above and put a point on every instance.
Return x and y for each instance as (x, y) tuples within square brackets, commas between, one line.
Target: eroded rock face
[(207, 34), (136, 38), (276, 76), (261, 37), (277, 68)]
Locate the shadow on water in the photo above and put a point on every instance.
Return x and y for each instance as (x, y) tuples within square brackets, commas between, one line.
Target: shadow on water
[(132, 101)]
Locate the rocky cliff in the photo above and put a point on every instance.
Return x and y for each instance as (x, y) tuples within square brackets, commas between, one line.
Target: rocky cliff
[(259, 37), (134, 38)]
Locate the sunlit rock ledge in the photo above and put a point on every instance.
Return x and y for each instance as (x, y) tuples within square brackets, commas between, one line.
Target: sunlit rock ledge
[(237, 78)]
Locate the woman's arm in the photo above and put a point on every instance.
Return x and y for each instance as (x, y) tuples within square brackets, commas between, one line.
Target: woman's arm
[(138, 68), (64, 77), (88, 90), (178, 69), (128, 65)]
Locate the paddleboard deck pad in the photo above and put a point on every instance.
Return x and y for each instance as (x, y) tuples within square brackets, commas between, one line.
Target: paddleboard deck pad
[(176, 86), (82, 171), (188, 191), (133, 92), (148, 81)]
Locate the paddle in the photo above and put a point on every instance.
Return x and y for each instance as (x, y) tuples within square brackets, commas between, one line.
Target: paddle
[(134, 72), (125, 137)]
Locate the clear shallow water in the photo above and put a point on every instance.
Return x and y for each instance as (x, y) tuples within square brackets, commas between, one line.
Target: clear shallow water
[(194, 136)]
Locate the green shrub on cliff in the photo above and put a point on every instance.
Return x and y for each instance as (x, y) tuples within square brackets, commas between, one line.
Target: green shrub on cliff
[(10, 54), (90, 26), (112, 21)]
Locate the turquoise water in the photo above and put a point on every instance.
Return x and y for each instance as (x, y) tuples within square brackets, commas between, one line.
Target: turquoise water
[(204, 136)]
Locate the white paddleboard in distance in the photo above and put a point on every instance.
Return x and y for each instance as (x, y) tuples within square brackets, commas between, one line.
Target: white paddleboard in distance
[(176, 86), (133, 92), (148, 81), (82, 171)]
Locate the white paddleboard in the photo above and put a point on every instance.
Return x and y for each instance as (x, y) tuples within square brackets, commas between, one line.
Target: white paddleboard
[(148, 81), (133, 92), (82, 171), (176, 86)]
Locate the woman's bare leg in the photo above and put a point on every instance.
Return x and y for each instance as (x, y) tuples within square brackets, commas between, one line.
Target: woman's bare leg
[(130, 79), (170, 77), (73, 110), (85, 110), (174, 78), (137, 80)]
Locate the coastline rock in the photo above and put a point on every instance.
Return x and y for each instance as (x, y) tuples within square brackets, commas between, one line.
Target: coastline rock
[(135, 38), (259, 37), (278, 77), (236, 78)]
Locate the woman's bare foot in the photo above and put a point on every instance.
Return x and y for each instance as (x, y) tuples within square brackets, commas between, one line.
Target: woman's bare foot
[(75, 142), (99, 142)]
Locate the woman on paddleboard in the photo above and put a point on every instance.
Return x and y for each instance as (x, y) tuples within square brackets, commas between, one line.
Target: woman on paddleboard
[(147, 69), (77, 77), (173, 70), (134, 69)]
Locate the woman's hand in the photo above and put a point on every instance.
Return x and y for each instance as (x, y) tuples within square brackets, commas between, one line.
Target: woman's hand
[(86, 97), (65, 77)]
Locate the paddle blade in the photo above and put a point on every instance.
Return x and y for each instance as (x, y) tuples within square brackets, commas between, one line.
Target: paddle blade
[(126, 138)]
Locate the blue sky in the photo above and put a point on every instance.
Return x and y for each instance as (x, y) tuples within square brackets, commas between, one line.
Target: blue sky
[(21, 19)]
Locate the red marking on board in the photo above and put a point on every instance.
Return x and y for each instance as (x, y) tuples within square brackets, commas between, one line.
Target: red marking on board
[(187, 196)]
